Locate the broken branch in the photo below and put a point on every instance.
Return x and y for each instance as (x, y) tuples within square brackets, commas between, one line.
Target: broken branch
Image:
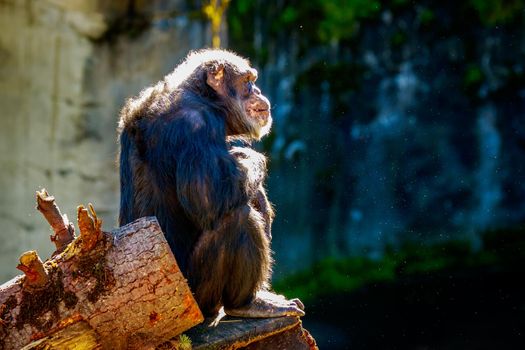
[(64, 231)]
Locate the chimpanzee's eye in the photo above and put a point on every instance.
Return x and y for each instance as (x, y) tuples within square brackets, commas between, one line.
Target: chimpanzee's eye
[(249, 87)]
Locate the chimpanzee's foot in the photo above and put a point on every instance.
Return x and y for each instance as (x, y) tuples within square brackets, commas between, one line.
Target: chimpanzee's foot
[(267, 304), (218, 318)]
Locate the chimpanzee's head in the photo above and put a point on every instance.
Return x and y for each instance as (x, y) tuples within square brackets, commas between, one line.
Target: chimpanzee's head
[(231, 81)]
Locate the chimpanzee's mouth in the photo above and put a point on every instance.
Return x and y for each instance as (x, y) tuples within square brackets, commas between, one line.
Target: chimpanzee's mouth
[(262, 110)]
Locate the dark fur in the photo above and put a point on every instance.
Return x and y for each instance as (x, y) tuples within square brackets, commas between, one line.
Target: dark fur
[(176, 163)]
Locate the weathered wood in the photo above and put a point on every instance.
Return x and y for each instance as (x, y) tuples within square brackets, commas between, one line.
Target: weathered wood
[(240, 333), (127, 287), (80, 336), (295, 338)]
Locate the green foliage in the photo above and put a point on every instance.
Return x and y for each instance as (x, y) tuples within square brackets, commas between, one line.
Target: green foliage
[(400, 2), (340, 18), (494, 12), (398, 39), (184, 342), (244, 5), (473, 79), (289, 15), (322, 22), (414, 259), (240, 17), (334, 276), (473, 74), (426, 16), (319, 21)]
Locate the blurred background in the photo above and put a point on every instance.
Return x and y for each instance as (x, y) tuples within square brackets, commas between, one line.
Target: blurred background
[(397, 157)]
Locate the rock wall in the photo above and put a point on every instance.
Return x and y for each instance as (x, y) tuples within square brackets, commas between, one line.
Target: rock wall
[(394, 121), (66, 68)]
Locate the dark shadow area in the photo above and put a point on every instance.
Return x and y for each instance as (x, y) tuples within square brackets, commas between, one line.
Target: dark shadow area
[(480, 308), (475, 302)]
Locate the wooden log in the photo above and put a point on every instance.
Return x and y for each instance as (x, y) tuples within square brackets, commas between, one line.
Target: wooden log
[(120, 290), (251, 333), (125, 285)]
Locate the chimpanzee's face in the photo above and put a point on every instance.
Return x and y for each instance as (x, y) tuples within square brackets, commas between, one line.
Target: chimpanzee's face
[(255, 104), (249, 109)]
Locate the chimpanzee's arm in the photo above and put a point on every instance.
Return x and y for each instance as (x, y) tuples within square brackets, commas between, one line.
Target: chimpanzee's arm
[(253, 166), (191, 153)]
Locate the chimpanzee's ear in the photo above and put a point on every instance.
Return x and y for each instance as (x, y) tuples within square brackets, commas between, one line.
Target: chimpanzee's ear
[(215, 77)]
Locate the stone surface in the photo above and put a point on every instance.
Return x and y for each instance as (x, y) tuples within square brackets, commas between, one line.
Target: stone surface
[(66, 68)]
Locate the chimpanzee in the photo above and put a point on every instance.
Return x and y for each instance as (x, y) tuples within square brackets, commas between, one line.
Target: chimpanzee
[(185, 157)]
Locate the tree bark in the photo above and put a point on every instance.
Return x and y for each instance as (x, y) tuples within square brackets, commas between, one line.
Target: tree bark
[(125, 287)]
